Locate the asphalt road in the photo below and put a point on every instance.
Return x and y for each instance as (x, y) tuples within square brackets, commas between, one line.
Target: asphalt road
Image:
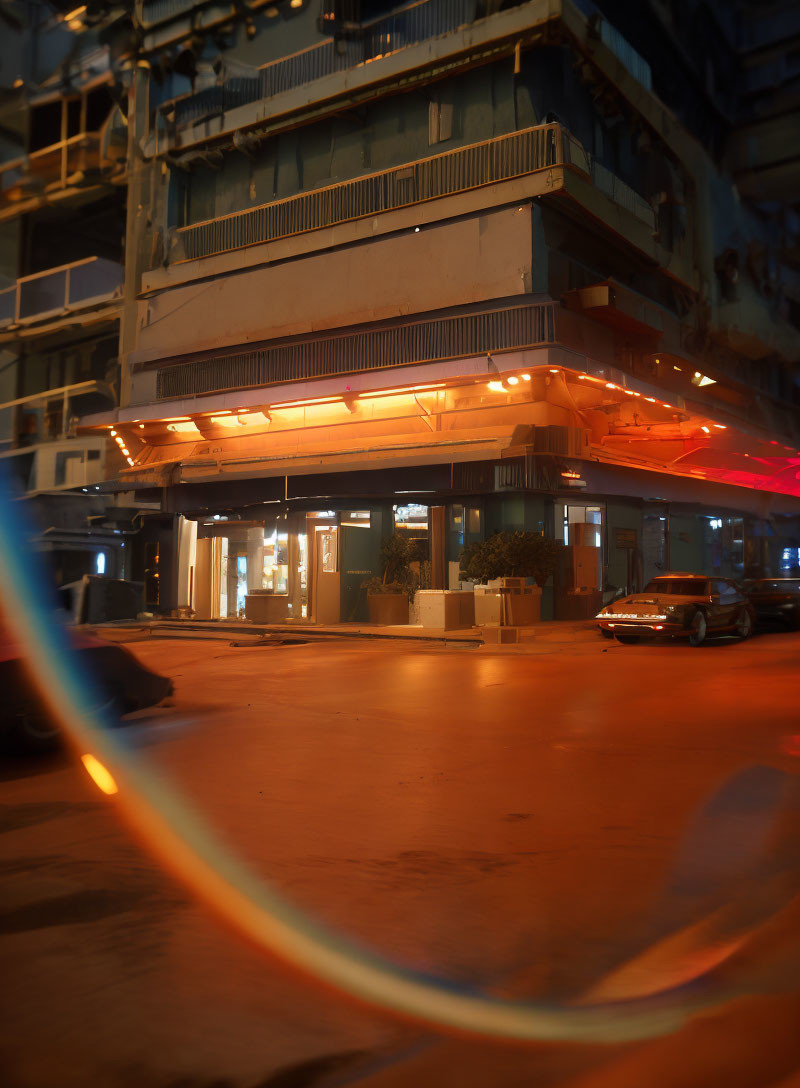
[(523, 820)]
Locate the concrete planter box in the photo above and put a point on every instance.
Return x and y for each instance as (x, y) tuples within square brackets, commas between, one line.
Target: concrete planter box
[(266, 607), (448, 609), (387, 609), (487, 606), (507, 602)]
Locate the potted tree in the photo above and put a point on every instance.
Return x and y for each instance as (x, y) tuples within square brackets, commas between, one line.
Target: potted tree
[(505, 564), (388, 597)]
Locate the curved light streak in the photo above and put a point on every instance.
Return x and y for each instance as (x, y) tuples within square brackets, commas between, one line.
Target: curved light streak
[(180, 838)]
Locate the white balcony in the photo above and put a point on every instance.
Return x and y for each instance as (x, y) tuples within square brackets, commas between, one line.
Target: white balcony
[(61, 465), (60, 291)]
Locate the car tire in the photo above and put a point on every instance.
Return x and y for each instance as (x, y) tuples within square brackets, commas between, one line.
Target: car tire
[(698, 628), (744, 623), (32, 732), (628, 640)]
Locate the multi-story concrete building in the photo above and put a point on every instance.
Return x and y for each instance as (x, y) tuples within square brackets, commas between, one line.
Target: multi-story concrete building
[(63, 182), (457, 265)]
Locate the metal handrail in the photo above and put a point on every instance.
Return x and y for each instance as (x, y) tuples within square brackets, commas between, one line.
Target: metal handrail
[(16, 308), (421, 341), (408, 26), (150, 13), (489, 162), (475, 165), (51, 149)]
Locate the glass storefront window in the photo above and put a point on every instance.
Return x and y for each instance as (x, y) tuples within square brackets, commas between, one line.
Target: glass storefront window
[(412, 516)]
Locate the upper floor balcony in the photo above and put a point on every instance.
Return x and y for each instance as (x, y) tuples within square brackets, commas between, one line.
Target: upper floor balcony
[(545, 160), (60, 465), (408, 26), (47, 169), (60, 291), (76, 141), (451, 32)]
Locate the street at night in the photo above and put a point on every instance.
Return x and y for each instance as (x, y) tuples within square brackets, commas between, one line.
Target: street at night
[(522, 819), (399, 544)]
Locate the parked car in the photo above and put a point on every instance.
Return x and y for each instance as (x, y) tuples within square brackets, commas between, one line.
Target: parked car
[(123, 684), (689, 606), (775, 599)]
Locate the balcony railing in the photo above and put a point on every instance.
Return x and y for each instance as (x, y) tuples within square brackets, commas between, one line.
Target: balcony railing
[(59, 465), (471, 167), (416, 23), (49, 168), (463, 336), (60, 290), (152, 12)]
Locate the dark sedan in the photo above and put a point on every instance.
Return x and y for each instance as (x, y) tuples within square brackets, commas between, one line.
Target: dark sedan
[(123, 685), (679, 605), (775, 600)]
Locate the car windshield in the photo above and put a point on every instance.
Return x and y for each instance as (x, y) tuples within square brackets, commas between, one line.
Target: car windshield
[(678, 587), (780, 585)]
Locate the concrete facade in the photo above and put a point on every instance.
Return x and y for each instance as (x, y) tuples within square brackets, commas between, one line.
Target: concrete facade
[(451, 257)]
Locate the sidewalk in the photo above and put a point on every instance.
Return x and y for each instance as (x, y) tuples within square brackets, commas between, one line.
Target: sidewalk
[(235, 630)]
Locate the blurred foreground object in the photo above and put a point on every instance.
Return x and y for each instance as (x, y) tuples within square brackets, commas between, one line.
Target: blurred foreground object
[(122, 683)]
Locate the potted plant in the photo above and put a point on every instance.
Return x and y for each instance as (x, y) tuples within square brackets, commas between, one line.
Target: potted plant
[(388, 597), (505, 564)]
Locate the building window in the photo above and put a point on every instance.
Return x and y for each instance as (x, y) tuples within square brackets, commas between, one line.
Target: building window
[(440, 122)]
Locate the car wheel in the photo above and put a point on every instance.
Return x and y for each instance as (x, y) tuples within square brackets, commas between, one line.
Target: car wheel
[(605, 633), (744, 623), (698, 629), (628, 640), (32, 732)]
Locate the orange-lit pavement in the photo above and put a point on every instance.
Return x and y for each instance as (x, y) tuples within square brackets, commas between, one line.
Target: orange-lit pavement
[(525, 821)]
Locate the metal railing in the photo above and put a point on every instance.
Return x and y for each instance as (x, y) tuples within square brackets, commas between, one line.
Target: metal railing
[(52, 165), (413, 24), (152, 12), (471, 167), (626, 54), (60, 290), (462, 336), (60, 464), (620, 193)]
